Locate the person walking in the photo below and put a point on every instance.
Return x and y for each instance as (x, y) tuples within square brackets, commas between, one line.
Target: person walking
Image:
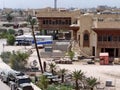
[(36, 79)]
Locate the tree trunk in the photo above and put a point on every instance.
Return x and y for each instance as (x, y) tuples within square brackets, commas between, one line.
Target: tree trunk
[(77, 85), (52, 71), (62, 78), (37, 49), (44, 66)]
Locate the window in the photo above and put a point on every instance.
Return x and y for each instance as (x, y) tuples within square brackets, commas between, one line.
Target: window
[(100, 19), (46, 22), (53, 22), (63, 22), (49, 21), (115, 38), (86, 42), (69, 22), (59, 21), (86, 37), (66, 22), (110, 38), (119, 38), (43, 21), (99, 38), (105, 38)]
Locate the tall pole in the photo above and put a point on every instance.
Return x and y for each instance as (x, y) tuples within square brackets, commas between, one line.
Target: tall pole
[(37, 49), (55, 4)]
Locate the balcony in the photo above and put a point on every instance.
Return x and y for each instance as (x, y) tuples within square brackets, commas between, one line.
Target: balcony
[(106, 44)]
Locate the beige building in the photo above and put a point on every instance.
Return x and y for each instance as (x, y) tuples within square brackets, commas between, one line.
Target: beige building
[(51, 12), (99, 33), (94, 33), (57, 21)]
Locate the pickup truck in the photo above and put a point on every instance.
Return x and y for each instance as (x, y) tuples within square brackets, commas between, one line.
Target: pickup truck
[(21, 83)]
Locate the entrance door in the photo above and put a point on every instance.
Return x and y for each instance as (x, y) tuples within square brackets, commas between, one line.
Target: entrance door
[(110, 51), (79, 40), (93, 51), (117, 51)]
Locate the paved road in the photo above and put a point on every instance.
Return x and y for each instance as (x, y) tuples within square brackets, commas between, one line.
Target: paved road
[(3, 86)]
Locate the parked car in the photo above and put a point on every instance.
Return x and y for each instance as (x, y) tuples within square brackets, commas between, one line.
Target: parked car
[(91, 62)]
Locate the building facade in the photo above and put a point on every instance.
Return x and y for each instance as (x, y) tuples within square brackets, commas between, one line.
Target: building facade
[(57, 21), (99, 33), (94, 33)]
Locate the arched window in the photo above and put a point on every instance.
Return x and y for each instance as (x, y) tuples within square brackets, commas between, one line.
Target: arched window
[(86, 39)]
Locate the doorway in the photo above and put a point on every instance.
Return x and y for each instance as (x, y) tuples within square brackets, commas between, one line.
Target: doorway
[(110, 51), (93, 51)]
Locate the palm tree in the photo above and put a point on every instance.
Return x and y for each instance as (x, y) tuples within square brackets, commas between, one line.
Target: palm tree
[(18, 60), (91, 82), (52, 68), (9, 17), (43, 82), (62, 72), (32, 22), (77, 76), (71, 54)]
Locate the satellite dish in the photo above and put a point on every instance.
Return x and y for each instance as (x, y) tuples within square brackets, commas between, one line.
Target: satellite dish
[(35, 63)]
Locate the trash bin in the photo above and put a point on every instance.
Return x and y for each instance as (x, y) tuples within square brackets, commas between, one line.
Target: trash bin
[(104, 58)]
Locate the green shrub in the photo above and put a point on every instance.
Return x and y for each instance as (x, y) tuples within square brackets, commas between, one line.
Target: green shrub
[(5, 56), (10, 39), (11, 31), (71, 54)]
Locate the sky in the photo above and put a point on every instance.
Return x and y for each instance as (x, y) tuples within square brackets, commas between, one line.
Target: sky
[(60, 3)]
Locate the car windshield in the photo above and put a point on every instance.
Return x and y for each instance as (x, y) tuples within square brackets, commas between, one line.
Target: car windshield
[(25, 80), (20, 74)]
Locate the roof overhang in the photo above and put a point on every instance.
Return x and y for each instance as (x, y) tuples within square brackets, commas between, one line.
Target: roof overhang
[(74, 27), (106, 30)]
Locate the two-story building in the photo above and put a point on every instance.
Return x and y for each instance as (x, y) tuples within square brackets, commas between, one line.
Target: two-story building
[(100, 33), (94, 33), (57, 22)]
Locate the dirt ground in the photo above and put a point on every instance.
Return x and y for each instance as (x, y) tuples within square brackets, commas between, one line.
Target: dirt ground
[(102, 72)]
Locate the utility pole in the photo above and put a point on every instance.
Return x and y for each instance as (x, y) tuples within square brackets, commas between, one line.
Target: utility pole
[(37, 49)]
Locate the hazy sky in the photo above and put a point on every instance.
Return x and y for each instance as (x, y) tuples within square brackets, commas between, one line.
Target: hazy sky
[(60, 3)]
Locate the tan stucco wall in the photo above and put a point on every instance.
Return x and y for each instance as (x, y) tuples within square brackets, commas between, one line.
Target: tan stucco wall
[(109, 21), (86, 23), (50, 12)]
